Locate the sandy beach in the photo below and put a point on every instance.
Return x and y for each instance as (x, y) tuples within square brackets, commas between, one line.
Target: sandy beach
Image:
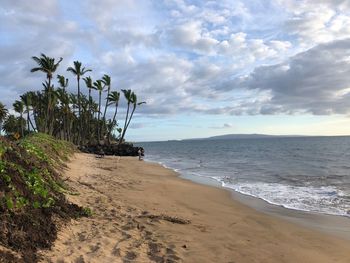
[(143, 212)]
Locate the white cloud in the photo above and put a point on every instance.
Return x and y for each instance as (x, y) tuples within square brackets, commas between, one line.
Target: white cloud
[(315, 22), (209, 57), (315, 81)]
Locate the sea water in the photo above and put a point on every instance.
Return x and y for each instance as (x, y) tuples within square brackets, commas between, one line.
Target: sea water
[(303, 173)]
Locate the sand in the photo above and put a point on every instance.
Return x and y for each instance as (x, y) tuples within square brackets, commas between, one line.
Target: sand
[(143, 212)]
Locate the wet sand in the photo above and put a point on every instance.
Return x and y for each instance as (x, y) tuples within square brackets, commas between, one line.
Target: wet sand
[(143, 212), (331, 224)]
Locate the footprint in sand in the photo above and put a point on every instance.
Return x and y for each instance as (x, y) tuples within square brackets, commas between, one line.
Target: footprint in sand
[(79, 259), (130, 255), (116, 252), (95, 248)]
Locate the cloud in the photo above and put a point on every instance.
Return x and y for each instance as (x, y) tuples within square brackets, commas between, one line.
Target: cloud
[(315, 81), (315, 22), (228, 125), (190, 35), (224, 126), (189, 57), (137, 125)]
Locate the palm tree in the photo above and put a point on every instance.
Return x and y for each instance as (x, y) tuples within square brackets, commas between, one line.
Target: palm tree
[(73, 98), (78, 71), (89, 85), (99, 87), (18, 106), (3, 114), (12, 124), (131, 99), (51, 94), (27, 102), (62, 81), (64, 99), (48, 66), (127, 95), (107, 82), (39, 104), (113, 98)]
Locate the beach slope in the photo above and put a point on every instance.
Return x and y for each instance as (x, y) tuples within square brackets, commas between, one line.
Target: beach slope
[(143, 212)]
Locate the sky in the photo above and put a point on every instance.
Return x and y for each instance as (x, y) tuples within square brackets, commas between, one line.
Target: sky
[(204, 68)]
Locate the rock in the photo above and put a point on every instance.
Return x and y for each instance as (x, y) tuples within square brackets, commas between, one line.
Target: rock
[(112, 149)]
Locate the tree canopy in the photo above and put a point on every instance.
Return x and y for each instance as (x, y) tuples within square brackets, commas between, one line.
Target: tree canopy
[(70, 116)]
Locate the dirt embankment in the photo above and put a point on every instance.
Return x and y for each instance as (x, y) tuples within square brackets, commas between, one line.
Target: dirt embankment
[(32, 196)]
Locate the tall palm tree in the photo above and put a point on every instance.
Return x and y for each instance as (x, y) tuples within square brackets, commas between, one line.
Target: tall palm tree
[(89, 85), (107, 82), (62, 81), (99, 87), (18, 106), (131, 99), (64, 99), (27, 102), (51, 94), (73, 98), (48, 66), (78, 71), (39, 105), (127, 95), (113, 98), (3, 114)]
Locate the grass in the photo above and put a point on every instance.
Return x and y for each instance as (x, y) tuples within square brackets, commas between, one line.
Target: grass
[(28, 171), (32, 192)]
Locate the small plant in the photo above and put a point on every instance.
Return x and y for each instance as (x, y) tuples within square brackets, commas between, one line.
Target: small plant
[(86, 211), (21, 202), (9, 202)]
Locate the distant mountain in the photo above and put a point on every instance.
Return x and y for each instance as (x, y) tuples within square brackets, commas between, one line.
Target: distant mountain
[(244, 136)]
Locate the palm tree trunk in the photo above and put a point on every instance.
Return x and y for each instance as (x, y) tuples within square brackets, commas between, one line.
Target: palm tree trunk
[(79, 109), (28, 120), (98, 123), (63, 132), (52, 119), (126, 120), (106, 106), (47, 121), (105, 111), (31, 124), (113, 120), (66, 132), (69, 127), (22, 128), (132, 113), (115, 112), (89, 116)]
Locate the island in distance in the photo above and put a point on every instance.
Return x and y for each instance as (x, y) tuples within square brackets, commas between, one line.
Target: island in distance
[(244, 136)]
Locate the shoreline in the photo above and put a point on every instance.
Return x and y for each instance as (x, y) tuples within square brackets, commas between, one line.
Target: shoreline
[(143, 212), (337, 225)]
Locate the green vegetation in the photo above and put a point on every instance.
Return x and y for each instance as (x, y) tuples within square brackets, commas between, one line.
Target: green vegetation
[(73, 117), (28, 171), (32, 192)]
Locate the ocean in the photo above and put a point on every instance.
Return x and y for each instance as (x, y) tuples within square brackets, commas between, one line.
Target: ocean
[(302, 173)]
